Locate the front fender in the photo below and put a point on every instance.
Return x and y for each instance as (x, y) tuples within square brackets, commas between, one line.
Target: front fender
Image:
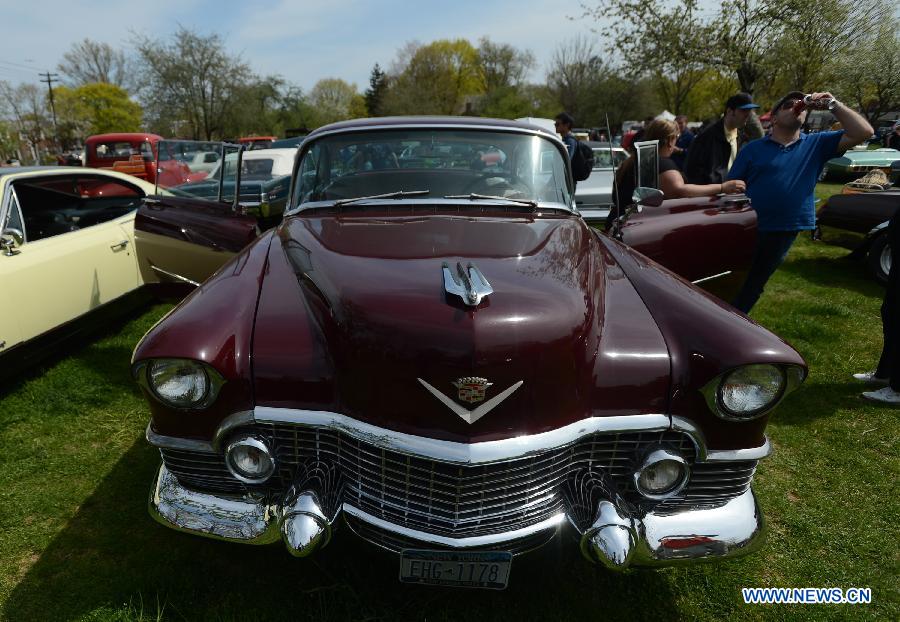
[(214, 325)]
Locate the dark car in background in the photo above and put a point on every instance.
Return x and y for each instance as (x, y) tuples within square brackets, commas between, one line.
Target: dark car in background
[(438, 352), (865, 216), (857, 162), (265, 181)]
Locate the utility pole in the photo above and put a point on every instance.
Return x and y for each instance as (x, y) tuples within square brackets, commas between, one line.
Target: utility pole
[(50, 78)]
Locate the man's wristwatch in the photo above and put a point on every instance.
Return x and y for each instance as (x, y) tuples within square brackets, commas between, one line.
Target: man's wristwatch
[(832, 104)]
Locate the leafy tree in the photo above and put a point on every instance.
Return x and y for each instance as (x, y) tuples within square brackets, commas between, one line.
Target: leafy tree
[(9, 141), (573, 74), (747, 37), (190, 84), (503, 70), (255, 106), (707, 99), (867, 74), (661, 39), (333, 99), (378, 84), (443, 77), (293, 111), (96, 108), (91, 61), (25, 103), (502, 65), (357, 108)]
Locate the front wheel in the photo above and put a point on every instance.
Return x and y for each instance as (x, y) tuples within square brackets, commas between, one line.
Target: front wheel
[(879, 258)]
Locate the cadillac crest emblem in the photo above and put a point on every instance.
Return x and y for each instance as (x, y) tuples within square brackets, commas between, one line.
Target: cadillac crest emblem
[(471, 389)]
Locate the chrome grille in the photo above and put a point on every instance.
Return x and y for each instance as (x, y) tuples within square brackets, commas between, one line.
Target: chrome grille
[(463, 500), (202, 471), (424, 494), (396, 542)]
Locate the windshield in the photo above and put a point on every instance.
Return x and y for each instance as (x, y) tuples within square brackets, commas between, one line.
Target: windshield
[(608, 158), (433, 163)]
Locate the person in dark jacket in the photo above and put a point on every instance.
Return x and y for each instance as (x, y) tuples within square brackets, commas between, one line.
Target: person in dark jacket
[(685, 138), (563, 124), (892, 141), (713, 151), (887, 374)]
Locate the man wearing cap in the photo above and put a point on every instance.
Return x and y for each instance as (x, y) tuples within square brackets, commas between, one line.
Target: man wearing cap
[(781, 171), (714, 150)]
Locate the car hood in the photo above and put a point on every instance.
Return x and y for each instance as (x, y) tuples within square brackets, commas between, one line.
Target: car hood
[(598, 183), (880, 157), (353, 318)]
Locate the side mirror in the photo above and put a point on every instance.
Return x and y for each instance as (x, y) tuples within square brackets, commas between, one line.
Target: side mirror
[(10, 240), (649, 197)]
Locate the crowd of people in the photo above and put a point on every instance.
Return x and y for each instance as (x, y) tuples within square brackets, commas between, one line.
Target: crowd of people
[(778, 170)]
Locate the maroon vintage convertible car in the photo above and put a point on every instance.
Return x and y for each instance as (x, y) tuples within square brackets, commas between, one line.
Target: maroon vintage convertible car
[(436, 351)]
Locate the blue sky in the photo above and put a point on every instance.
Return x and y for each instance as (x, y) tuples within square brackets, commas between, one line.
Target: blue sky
[(303, 41)]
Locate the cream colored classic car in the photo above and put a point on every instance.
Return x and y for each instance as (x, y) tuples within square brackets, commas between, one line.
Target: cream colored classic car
[(68, 248)]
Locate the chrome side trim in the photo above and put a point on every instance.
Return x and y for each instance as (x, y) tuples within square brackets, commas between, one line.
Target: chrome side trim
[(687, 426), (731, 455), (454, 452), (710, 278), (719, 455), (232, 421), (172, 275), (175, 442), (457, 543)]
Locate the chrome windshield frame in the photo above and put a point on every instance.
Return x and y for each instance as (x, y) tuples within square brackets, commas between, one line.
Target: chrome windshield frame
[(306, 145)]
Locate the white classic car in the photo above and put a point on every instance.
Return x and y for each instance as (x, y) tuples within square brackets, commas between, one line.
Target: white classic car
[(593, 196)]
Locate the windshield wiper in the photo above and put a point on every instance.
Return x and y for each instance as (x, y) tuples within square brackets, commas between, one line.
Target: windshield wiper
[(472, 197), (388, 195)]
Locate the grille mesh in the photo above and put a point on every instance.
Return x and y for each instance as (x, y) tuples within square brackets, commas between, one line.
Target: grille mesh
[(463, 500)]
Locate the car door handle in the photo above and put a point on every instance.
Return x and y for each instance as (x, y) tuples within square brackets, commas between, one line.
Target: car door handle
[(119, 245)]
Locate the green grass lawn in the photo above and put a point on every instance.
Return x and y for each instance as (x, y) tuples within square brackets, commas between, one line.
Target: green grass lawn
[(76, 542)]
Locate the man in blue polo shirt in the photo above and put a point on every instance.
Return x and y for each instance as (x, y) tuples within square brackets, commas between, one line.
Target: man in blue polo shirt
[(781, 171)]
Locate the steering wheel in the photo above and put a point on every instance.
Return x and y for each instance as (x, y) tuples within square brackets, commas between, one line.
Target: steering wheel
[(510, 181)]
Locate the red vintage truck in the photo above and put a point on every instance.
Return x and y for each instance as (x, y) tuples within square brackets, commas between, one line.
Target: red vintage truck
[(135, 153)]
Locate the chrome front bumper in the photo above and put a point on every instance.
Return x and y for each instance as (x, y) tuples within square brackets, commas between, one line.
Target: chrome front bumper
[(617, 537)]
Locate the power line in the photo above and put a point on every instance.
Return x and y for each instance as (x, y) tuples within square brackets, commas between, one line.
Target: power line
[(30, 68), (9, 67)]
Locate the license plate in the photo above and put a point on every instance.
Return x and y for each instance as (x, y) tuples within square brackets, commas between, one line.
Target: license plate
[(486, 569)]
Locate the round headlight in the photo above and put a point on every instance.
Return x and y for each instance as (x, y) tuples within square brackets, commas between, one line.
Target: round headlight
[(749, 391), (181, 383), (249, 460), (662, 474)]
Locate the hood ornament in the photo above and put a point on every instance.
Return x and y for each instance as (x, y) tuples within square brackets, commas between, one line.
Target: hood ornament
[(471, 390), (469, 284)]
